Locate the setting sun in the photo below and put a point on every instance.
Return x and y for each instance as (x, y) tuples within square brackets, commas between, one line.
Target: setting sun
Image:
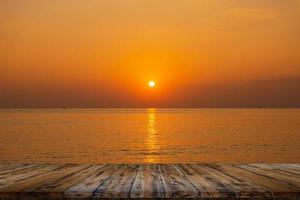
[(152, 84)]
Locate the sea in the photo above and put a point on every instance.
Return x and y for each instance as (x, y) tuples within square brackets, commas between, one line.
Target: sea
[(152, 135)]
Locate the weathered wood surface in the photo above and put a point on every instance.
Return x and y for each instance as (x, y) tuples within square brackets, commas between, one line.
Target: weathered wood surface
[(200, 181)]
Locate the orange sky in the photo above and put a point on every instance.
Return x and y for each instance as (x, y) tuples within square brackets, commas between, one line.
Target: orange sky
[(102, 53)]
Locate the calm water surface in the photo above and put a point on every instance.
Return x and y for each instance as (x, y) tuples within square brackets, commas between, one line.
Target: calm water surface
[(149, 135)]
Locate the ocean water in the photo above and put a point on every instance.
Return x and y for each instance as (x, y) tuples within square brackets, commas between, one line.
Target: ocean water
[(149, 135)]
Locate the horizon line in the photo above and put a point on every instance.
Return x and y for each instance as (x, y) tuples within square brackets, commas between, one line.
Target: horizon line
[(212, 107)]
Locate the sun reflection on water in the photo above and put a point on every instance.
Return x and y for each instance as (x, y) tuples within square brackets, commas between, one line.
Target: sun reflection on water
[(151, 139)]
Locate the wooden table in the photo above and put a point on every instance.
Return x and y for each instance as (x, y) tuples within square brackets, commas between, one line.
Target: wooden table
[(203, 181)]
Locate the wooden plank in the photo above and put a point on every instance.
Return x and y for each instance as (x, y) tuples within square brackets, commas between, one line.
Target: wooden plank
[(227, 185), (119, 184), (292, 165), (288, 179), (215, 184), (281, 168), (275, 166), (176, 184), (20, 171), (207, 187), (85, 188), (6, 191), (148, 183), (19, 190), (13, 178), (40, 179), (54, 189), (217, 181), (276, 187), (8, 166), (10, 169)]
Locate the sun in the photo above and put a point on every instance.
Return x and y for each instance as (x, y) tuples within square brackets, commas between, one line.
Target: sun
[(152, 84)]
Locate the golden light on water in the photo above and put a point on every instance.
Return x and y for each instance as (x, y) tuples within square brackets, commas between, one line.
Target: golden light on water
[(151, 139)]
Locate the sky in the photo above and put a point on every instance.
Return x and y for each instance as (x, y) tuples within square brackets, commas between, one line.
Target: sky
[(97, 53)]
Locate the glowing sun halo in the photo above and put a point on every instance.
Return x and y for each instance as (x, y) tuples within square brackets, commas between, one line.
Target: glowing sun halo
[(152, 84)]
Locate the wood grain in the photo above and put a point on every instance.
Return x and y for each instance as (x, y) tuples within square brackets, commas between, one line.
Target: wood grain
[(119, 184), (286, 178), (85, 188), (176, 184), (200, 181), (148, 183), (276, 187), (54, 189)]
